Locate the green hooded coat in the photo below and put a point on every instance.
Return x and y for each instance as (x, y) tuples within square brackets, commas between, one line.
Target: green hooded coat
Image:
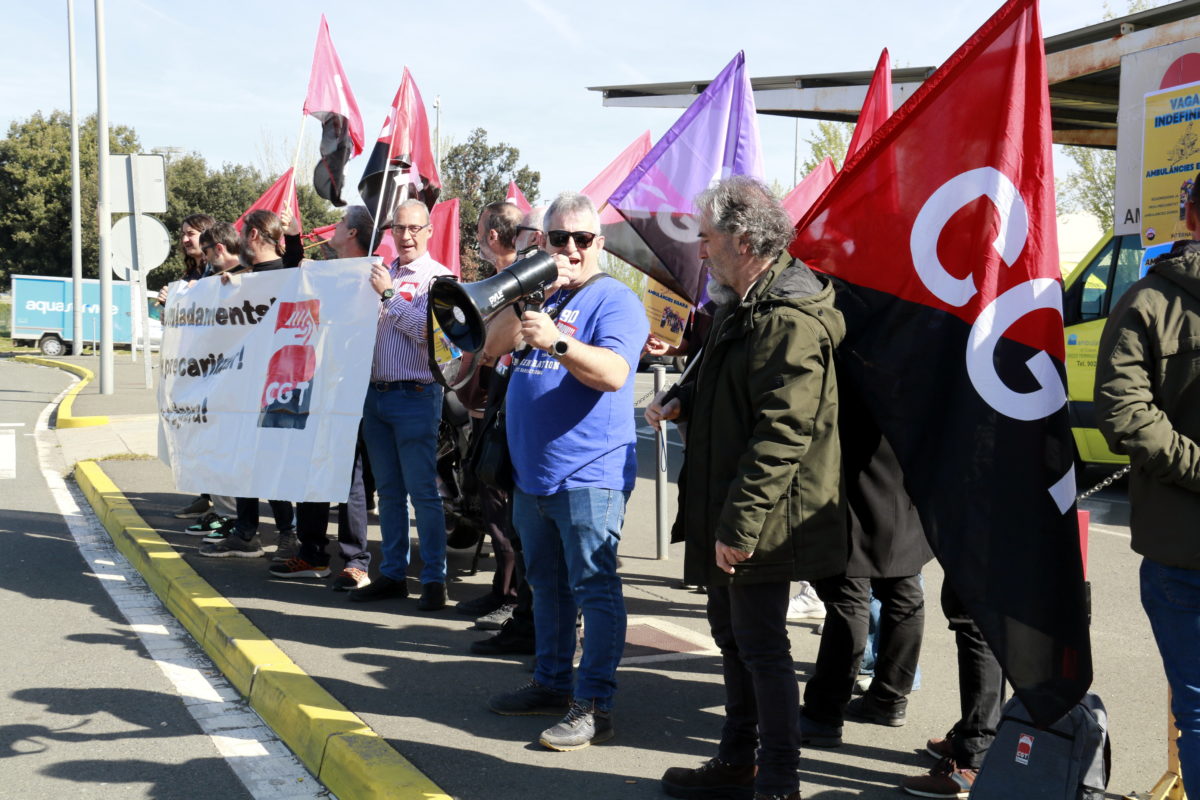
[(1148, 404), (762, 467)]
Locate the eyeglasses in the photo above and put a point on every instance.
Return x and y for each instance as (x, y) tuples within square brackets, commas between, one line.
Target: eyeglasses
[(413, 230), (204, 248), (583, 239), (528, 228)]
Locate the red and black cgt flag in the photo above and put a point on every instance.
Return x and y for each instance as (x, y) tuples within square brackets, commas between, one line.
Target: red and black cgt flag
[(403, 154), (330, 100), (941, 233)]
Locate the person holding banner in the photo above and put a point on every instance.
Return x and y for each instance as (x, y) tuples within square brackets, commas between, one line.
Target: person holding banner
[(193, 268), (222, 247), (351, 239), (572, 442), (1147, 379), (401, 415), (262, 251), (761, 501)]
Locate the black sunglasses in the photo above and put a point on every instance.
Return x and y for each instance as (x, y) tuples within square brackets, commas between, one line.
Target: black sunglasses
[(583, 239)]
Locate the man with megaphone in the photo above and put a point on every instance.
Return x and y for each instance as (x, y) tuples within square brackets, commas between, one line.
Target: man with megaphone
[(572, 442)]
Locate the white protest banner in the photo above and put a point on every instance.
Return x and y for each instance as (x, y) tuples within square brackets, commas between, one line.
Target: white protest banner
[(263, 380)]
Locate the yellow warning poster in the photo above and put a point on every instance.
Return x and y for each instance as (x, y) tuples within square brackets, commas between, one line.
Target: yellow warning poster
[(1170, 160), (667, 312)]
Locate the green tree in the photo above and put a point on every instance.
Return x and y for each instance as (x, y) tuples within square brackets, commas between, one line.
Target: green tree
[(224, 194), (831, 140), (477, 174), (35, 193), (1092, 186), (35, 196)]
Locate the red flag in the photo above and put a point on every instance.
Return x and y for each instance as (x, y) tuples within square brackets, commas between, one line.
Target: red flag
[(321, 234), (404, 143), (517, 197), (444, 243), (807, 191), (330, 100), (877, 106), (281, 195), (619, 238), (617, 170), (941, 231)]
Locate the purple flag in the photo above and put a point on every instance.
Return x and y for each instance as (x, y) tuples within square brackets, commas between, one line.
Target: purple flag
[(716, 137)]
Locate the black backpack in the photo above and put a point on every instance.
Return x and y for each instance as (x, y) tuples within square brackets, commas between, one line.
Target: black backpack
[(1070, 760)]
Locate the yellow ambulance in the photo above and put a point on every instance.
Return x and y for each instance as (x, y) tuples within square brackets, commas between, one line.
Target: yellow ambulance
[(1091, 289)]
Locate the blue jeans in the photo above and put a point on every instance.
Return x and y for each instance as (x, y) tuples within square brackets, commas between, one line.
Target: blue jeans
[(570, 543), (1171, 597), (400, 428)]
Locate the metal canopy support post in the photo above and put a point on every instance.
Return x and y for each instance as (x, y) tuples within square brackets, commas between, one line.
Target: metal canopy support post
[(660, 474), (76, 229), (107, 384)]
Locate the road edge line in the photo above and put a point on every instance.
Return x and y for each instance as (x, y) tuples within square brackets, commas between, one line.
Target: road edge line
[(349, 758), (65, 418)]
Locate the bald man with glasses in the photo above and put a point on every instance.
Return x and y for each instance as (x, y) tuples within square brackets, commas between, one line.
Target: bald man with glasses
[(401, 416)]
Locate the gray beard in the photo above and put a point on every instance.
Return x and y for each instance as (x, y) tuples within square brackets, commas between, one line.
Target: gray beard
[(721, 294)]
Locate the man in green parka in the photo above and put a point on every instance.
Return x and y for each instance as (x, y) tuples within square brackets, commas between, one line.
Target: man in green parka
[(761, 501), (1148, 406)]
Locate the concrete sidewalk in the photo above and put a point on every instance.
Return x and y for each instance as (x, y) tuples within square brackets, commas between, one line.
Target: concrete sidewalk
[(410, 678)]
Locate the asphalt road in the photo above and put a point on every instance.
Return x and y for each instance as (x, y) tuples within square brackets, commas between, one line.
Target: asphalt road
[(410, 677), (84, 711)]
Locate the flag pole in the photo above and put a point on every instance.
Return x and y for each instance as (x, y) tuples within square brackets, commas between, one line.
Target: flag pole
[(383, 185), (295, 165), (299, 143)]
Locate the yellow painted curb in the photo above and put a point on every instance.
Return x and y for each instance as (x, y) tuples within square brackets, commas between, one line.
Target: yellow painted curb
[(65, 418), (349, 758)]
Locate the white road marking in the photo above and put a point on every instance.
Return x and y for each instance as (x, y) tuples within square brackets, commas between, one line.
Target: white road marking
[(12, 424), (8, 455), (257, 757)]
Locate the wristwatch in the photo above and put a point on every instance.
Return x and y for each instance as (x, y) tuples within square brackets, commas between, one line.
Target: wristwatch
[(559, 348), (386, 295)]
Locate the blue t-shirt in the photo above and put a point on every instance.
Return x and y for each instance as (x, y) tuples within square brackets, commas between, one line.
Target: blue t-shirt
[(562, 434)]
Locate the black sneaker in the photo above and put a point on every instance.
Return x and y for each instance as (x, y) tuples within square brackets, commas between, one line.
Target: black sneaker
[(712, 779), (381, 588), (819, 734), (233, 546), (478, 606), (868, 709), (192, 509), (510, 641), (228, 528), (583, 725), (208, 523), (530, 700)]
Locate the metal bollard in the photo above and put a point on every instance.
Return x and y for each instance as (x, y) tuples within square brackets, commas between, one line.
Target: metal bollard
[(660, 475)]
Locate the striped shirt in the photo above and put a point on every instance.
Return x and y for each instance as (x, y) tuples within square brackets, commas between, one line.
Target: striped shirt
[(401, 352)]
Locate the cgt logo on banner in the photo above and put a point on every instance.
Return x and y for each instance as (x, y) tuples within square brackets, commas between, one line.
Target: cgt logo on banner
[(287, 393), (263, 381)]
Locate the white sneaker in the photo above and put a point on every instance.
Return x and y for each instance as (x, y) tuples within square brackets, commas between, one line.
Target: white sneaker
[(806, 605)]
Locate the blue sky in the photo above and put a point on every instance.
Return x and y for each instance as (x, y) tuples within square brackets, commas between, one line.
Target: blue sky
[(227, 80)]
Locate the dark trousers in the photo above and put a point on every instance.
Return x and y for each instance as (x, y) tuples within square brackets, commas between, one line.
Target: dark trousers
[(312, 524), (495, 508), (901, 628), (980, 685), (247, 515), (762, 699)]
